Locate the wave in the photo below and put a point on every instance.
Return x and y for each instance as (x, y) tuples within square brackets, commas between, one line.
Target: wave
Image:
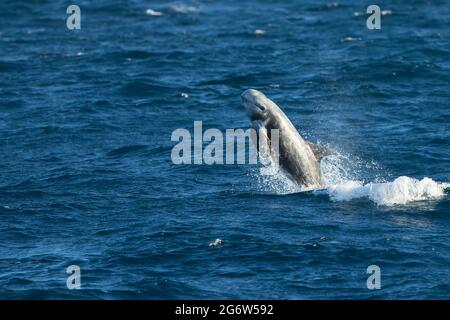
[(152, 12), (183, 8), (402, 190), (341, 184)]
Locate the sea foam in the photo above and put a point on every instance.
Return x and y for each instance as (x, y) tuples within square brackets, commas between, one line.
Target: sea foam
[(401, 191), (342, 184)]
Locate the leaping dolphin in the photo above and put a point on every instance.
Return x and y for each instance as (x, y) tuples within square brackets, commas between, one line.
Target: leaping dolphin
[(298, 159)]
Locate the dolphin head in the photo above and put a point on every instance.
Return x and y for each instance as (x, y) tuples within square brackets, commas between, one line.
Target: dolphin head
[(256, 104)]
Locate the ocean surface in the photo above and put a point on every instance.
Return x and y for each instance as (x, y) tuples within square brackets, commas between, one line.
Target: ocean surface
[(86, 176)]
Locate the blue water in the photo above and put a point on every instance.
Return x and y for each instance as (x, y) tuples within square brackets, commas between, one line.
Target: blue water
[(86, 176)]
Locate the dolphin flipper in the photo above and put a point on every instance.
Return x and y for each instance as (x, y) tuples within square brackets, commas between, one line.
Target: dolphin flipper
[(264, 150), (262, 143)]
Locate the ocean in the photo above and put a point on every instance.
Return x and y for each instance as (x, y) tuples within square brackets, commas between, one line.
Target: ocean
[(87, 179)]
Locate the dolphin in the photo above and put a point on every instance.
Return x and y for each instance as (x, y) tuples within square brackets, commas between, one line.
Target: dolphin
[(298, 159)]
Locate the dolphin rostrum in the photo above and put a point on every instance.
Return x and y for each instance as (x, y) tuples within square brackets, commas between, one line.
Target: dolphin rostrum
[(298, 159)]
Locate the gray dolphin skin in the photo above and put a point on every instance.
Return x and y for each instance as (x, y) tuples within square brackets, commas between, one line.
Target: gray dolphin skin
[(298, 159)]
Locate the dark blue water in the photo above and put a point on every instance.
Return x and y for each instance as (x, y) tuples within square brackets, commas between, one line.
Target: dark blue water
[(86, 176)]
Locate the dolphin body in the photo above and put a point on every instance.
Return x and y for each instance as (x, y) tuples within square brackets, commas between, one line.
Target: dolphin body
[(298, 159)]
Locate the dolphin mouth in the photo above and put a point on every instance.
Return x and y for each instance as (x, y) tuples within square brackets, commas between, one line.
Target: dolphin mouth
[(254, 117)]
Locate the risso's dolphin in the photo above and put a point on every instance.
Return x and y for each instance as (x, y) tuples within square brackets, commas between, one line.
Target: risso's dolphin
[(298, 159)]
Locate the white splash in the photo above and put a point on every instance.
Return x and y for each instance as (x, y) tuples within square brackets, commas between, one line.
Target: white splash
[(216, 243), (401, 191), (342, 184), (152, 12), (276, 182), (350, 39), (180, 8)]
